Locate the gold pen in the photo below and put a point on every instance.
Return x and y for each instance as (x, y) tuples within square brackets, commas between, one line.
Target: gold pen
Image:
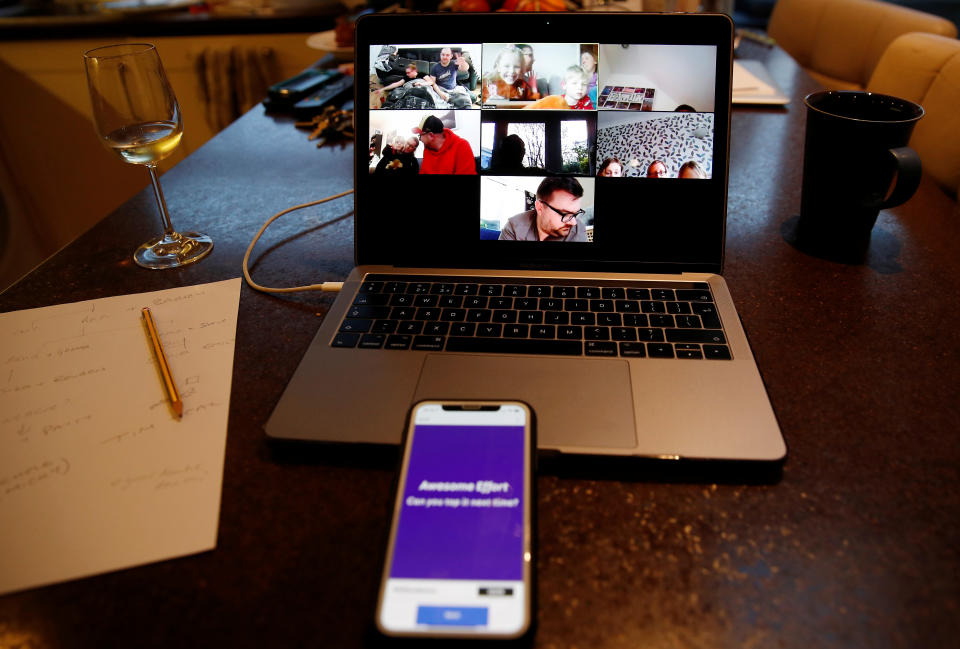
[(172, 393)]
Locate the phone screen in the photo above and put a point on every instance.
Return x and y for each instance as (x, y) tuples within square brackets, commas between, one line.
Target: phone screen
[(460, 551)]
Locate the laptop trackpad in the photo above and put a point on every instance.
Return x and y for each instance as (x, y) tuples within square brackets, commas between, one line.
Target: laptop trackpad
[(578, 402)]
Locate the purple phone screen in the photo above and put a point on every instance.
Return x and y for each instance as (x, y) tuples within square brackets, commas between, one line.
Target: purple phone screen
[(462, 510)]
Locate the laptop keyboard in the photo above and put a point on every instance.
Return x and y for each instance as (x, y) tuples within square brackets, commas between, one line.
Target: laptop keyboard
[(508, 315)]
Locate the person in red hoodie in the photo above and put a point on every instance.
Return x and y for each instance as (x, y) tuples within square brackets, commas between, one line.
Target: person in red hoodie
[(444, 152)]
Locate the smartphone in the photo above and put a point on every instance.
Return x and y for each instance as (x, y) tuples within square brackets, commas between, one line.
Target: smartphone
[(460, 556)]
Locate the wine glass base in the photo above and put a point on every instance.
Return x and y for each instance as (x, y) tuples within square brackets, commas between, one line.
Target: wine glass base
[(173, 250)]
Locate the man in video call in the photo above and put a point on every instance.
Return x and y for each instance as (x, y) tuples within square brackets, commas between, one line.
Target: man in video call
[(554, 214), (444, 152), (444, 75)]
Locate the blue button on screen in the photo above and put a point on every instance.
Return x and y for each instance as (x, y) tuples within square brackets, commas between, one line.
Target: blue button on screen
[(452, 615)]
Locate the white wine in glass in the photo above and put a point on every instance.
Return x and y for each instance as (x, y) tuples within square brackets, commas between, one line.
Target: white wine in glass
[(137, 116)]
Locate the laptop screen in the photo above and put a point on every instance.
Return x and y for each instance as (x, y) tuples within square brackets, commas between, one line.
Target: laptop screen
[(567, 141)]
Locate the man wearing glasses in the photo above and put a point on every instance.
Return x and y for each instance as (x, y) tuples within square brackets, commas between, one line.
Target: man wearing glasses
[(554, 214)]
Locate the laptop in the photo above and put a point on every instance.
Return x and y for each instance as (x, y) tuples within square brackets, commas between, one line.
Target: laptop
[(539, 216)]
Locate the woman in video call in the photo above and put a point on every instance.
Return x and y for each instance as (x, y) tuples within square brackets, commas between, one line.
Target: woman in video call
[(505, 80), (611, 167), (657, 169), (691, 169), (588, 61)]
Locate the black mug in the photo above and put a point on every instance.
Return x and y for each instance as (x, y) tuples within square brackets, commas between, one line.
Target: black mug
[(856, 144)]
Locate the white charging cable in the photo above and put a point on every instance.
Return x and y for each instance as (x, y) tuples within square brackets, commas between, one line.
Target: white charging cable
[(325, 286)]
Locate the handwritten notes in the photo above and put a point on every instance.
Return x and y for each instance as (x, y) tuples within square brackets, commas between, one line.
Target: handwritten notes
[(96, 473)]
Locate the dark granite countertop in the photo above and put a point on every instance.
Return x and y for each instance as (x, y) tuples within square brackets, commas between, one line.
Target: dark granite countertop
[(855, 544)]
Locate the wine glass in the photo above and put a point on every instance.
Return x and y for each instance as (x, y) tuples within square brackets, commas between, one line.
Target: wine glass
[(137, 116)]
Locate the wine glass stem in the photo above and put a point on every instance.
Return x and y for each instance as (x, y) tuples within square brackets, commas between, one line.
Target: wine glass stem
[(161, 201)]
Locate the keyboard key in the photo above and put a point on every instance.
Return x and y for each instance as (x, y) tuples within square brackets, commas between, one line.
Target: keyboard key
[(402, 313), (345, 340), (688, 321), (596, 333), (490, 330), (351, 325), (598, 348), (475, 302), (588, 292), (490, 290), (652, 307), (638, 294), (601, 305), (514, 290), (441, 288), (634, 350), (615, 293), (410, 327), (658, 320), (525, 303), (373, 299), (395, 287), (419, 288), (570, 333), (556, 317), (564, 291), (462, 329), (716, 352), (504, 317), (430, 343), (479, 315), (426, 300), (688, 351), (650, 335), (384, 326), (662, 294), (453, 315), (371, 341), (623, 333), (530, 317), (466, 289), (627, 306), (635, 320), (708, 314), (371, 287), (501, 303), (576, 305), (660, 350), (714, 336), (428, 314), (539, 291), (436, 328), (583, 318), (609, 319), (516, 331), (368, 312), (450, 301), (694, 296), (551, 304), (678, 307), (515, 346), (543, 331), (398, 341)]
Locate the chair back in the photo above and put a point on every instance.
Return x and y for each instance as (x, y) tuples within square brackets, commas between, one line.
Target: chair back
[(925, 68), (840, 41)]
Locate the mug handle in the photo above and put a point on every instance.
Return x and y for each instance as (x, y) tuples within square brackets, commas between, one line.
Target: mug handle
[(908, 176)]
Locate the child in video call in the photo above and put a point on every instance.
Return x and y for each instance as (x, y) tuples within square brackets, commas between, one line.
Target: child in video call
[(574, 92), (505, 81)]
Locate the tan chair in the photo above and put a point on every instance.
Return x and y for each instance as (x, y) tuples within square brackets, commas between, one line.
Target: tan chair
[(840, 41), (925, 68)]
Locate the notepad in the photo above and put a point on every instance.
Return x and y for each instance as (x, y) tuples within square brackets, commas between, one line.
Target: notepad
[(752, 84), (95, 472)]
